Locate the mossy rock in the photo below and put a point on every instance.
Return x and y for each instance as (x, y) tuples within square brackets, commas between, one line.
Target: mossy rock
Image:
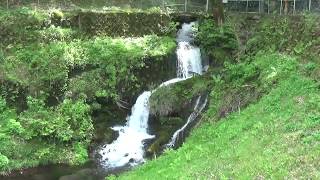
[(158, 144), (171, 121), (177, 98)]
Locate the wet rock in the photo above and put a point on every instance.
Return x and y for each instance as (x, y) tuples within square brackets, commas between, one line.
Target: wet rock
[(157, 146)]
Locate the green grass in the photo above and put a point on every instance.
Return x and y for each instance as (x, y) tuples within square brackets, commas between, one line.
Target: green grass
[(277, 137)]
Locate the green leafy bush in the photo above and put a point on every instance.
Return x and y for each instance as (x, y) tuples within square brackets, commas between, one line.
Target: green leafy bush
[(39, 134), (48, 88), (70, 121), (52, 34), (4, 161), (81, 154), (111, 64), (219, 42)]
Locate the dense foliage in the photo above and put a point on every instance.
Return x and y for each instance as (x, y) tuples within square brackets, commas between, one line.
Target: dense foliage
[(37, 77), (219, 42), (37, 135), (53, 78), (90, 67)]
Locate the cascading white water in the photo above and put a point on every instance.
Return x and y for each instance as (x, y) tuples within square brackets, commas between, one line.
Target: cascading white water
[(189, 56), (189, 63), (198, 108), (128, 148)]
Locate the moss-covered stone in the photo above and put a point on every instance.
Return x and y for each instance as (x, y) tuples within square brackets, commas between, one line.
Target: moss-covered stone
[(176, 98), (157, 146)]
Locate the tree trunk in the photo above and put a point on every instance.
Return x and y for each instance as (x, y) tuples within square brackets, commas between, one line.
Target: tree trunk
[(218, 13), (309, 5), (272, 6), (79, 21), (7, 4), (286, 5), (185, 5)]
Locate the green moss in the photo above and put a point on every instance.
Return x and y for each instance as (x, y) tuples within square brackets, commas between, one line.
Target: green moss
[(171, 121), (156, 146)]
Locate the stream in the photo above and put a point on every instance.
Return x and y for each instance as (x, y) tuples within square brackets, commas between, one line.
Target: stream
[(128, 149)]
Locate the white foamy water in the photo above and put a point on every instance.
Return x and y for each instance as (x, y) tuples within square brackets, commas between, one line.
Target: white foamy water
[(189, 56), (189, 63), (198, 108), (128, 148)]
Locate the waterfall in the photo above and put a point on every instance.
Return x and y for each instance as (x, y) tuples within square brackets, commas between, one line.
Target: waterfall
[(128, 148), (198, 108), (189, 56), (189, 63)]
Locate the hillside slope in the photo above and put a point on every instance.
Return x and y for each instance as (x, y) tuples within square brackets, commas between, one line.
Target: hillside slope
[(274, 132), (275, 138)]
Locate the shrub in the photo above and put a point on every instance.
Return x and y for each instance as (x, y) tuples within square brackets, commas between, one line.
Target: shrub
[(81, 154), (4, 161), (70, 121), (218, 41)]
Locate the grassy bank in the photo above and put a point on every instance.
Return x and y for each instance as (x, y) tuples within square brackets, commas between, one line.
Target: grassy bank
[(275, 138)]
